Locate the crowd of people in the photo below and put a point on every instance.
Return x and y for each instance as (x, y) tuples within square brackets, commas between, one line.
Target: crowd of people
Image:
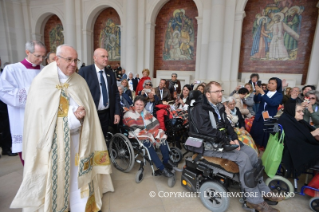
[(57, 117)]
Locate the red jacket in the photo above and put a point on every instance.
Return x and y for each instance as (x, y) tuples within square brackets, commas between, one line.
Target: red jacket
[(140, 84), (161, 113)]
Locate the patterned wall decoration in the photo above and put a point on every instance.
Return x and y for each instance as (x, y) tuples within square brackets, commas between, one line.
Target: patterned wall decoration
[(107, 34), (53, 33), (175, 36), (277, 36)]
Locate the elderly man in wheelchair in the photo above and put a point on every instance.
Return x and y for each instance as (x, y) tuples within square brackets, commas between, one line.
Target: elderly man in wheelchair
[(221, 158)]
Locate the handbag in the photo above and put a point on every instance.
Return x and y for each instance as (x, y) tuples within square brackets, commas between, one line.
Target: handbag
[(273, 153), (194, 145)]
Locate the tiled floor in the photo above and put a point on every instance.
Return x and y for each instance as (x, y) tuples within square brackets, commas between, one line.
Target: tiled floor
[(129, 196)]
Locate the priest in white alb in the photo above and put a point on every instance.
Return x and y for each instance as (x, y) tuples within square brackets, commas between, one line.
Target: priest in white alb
[(67, 166), (15, 82)]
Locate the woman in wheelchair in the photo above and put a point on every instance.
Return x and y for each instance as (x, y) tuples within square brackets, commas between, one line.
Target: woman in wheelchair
[(147, 129), (301, 140)]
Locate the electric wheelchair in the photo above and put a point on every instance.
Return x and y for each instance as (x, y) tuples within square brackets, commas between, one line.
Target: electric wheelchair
[(212, 176)]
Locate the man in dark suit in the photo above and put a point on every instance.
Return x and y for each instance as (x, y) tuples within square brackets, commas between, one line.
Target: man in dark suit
[(103, 87), (162, 92), (174, 85)]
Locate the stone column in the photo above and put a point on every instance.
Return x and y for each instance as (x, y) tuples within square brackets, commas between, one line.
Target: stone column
[(313, 70), (216, 38), (131, 36), (236, 46), (87, 53), (149, 48), (69, 28), (18, 52), (79, 36), (204, 41)]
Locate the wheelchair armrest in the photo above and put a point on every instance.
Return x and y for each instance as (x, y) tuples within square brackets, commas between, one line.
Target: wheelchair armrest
[(205, 137), (126, 128)]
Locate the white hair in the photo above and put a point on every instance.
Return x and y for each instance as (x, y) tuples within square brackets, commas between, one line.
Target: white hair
[(59, 48), (30, 45), (230, 99)]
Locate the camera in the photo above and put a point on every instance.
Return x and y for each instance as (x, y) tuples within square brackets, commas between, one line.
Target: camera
[(147, 90)]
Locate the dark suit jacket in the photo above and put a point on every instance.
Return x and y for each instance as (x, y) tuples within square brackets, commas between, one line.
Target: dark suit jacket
[(90, 76), (178, 89), (135, 82), (166, 94)]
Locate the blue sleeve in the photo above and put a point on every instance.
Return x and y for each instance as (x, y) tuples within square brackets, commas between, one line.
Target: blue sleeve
[(257, 98), (275, 101)]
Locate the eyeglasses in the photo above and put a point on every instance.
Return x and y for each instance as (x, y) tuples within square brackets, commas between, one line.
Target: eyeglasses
[(149, 84), (219, 91), (39, 56), (70, 60)]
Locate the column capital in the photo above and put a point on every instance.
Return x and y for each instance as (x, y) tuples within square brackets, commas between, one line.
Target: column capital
[(239, 16), (199, 20), (150, 25)]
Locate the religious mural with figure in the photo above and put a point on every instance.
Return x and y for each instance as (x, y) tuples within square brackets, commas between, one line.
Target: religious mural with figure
[(176, 36), (107, 34), (179, 37), (110, 39), (56, 37), (53, 33), (277, 36), (276, 31)]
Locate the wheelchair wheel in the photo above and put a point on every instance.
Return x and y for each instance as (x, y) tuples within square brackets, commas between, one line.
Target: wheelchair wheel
[(175, 155), (314, 204), (211, 195), (281, 185), (121, 153), (171, 181), (139, 176)]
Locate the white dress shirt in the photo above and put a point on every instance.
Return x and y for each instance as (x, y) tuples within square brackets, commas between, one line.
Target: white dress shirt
[(101, 106)]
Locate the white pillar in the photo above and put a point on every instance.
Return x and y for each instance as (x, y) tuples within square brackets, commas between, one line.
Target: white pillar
[(149, 48), (313, 70), (236, 45), (78, 25), (19, 42), (131, 36), (69, 28), (141, 36), (216, 38), (87, 53), (204, 41), (198, 46)]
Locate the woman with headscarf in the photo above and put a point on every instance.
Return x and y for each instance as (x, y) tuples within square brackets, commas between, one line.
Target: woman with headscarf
[(269, 101), (301, 140), (140, 84)]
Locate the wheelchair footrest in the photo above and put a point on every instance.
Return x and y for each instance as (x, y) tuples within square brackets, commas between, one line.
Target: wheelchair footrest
[(158, 172), (271, 202)]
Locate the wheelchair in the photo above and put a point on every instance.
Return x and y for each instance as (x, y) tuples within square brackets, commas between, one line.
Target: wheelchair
[(280, 184), (211, 176), (124, 152)]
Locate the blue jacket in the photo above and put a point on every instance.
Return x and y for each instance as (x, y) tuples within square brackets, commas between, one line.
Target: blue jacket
[(272, 103)]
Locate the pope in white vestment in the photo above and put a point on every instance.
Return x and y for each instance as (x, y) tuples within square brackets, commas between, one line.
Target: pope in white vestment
[(67, 166), (15, 82)]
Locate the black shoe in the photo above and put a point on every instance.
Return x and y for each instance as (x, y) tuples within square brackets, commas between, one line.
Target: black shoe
[(170, 165), (167, 173), (9, 153)]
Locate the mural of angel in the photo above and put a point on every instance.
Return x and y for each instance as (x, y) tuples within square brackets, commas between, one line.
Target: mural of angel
[(276, 31)]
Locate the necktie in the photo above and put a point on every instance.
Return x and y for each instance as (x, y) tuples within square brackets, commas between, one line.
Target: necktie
[(161, 91), (104, 91)]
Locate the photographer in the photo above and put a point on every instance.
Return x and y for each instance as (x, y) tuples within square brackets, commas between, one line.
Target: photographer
[(208, 112), (147, 88)]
